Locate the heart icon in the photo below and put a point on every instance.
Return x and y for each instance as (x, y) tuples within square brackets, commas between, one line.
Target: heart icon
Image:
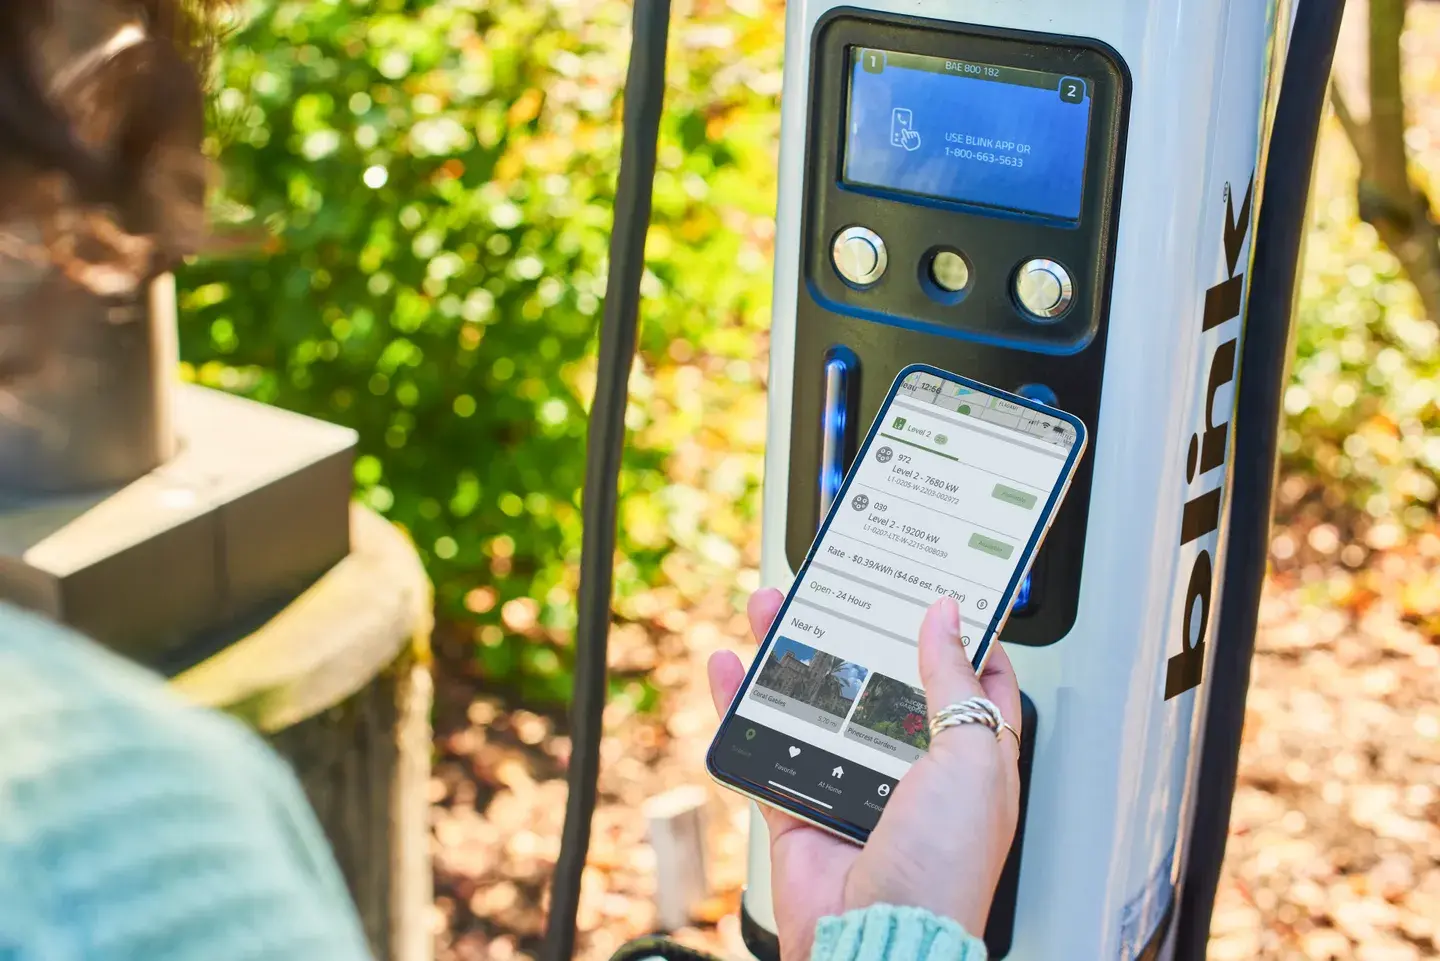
[(794, 751)]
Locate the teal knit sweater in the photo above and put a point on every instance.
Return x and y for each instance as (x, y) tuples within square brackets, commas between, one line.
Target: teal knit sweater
[(136, 827), (884, 933)]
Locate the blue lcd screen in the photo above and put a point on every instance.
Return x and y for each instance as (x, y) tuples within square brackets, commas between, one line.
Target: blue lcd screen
[(968, 132)]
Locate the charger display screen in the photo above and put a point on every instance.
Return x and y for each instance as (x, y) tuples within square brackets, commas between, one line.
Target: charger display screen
[(973, 133)]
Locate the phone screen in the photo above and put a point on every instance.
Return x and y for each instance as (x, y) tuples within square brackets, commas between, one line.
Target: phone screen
[(950, 494)]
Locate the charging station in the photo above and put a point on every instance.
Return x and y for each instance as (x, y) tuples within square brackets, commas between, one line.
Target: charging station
[(1112, 284), (1141, 274)]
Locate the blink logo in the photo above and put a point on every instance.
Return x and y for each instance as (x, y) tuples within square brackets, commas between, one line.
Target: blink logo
[(1207, 452)]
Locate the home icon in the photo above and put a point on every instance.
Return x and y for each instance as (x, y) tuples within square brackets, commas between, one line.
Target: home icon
[(838, 772)]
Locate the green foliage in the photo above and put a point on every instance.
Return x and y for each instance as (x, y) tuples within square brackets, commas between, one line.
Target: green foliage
[(435, 178), (1363, 406)]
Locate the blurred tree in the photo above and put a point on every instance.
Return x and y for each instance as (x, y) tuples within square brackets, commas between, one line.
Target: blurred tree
[(435, 180), (1389, 199), (1361, 449)]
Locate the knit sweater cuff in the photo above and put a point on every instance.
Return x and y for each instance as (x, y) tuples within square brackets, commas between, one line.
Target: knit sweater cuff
[(882, 932)]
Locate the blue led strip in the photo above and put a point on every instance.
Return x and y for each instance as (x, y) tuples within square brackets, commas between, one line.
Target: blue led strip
[(834, 424), (1022, 596)]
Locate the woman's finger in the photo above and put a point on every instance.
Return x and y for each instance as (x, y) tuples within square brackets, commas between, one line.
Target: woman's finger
[(763, 606), (945, 667), (726, 674)]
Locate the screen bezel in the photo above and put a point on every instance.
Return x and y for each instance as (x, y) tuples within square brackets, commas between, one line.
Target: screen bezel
[(996, 241), (792, 805), (977, 206)]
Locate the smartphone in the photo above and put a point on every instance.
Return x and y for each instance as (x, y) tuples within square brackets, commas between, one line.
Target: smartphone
[(901, 122), (951, 493)]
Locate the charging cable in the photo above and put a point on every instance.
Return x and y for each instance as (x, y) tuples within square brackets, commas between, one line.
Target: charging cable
[(605, 444)]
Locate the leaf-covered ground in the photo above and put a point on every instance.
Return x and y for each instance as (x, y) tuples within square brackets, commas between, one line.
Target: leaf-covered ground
[(1334, 850), (1334, 845)]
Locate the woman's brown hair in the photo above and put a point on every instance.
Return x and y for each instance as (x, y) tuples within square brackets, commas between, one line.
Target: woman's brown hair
[(101, 123), (102, 174)]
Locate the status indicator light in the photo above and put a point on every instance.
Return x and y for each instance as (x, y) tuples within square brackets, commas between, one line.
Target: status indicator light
[(834, 425), (1022, 596)]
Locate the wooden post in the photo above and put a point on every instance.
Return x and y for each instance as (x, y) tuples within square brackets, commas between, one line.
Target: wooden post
[(339, 682), (677, 833)]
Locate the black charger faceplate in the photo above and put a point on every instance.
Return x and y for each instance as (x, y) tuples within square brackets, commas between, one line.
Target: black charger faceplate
[(984, 334)]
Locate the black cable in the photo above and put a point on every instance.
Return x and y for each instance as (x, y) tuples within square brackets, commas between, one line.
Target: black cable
[(658, 948), (644, 99), (1263, 363)]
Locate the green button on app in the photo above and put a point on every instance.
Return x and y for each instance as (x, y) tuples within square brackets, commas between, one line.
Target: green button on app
[(990, 545), (1011, 496)]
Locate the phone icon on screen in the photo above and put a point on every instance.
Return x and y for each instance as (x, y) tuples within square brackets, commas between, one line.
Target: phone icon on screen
[(902, 129)]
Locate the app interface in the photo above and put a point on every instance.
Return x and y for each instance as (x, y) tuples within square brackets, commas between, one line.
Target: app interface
[(943, 502)]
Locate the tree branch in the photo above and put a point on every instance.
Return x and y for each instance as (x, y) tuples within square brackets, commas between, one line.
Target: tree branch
[(1387, 198), (1355, 131), (1389, 169)]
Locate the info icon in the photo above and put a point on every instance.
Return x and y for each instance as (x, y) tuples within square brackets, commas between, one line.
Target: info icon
[(860, 502), (884, 454)]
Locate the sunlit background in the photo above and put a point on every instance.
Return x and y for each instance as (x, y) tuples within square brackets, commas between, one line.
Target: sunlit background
[(435, 178)]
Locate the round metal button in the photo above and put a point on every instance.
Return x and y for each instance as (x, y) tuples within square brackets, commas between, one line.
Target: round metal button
[(1044, 289), (859, 255), (949, 271)]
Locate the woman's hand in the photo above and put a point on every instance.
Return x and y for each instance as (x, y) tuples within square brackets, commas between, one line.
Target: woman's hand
[(947, 828)]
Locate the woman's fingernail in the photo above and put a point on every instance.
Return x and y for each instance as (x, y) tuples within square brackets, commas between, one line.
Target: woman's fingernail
[(950, 616)]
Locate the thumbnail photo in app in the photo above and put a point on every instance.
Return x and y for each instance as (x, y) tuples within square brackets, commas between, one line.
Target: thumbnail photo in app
[(891, 718), (808, 684)]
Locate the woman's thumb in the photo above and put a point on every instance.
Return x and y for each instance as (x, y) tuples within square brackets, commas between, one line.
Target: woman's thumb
[(945, 667)]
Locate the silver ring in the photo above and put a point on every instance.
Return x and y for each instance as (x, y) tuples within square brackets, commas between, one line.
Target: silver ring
[(974, 710)]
